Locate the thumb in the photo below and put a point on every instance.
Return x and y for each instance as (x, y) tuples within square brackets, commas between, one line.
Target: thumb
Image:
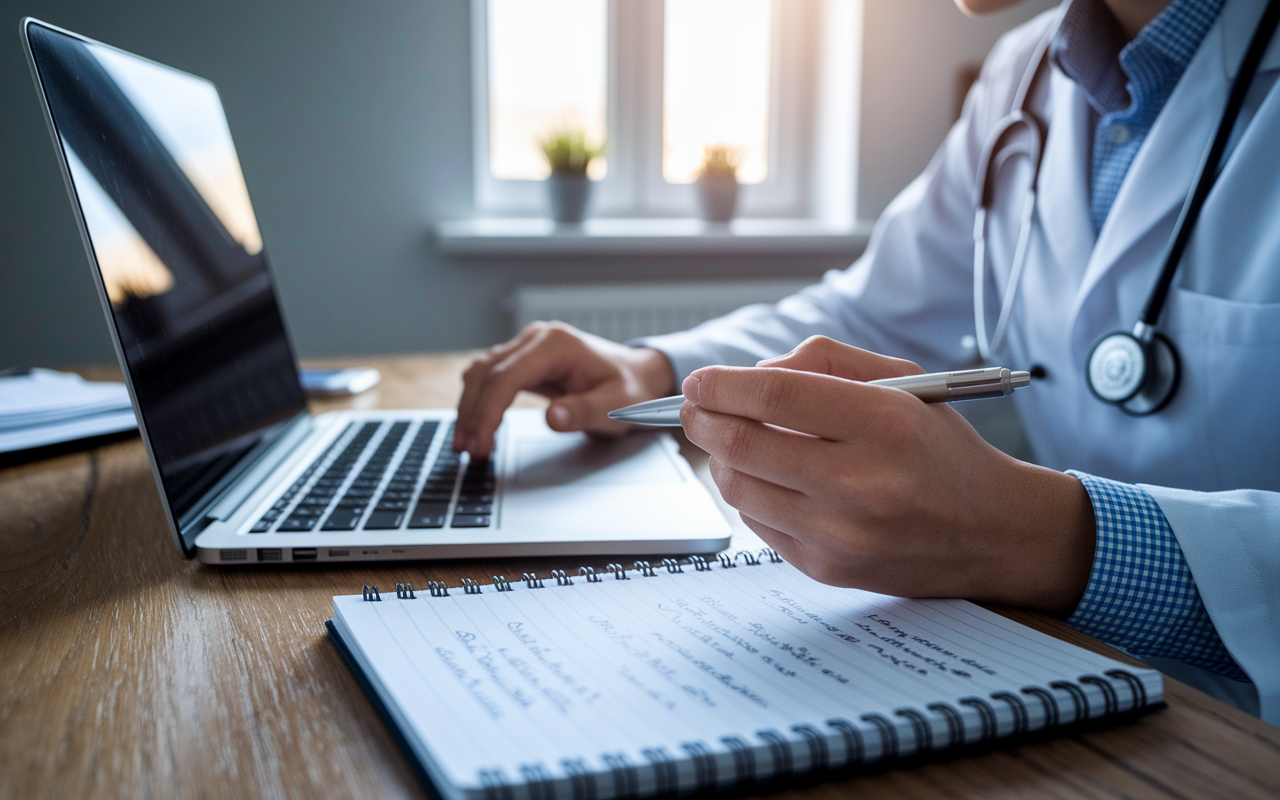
[(587, 411), (829, 357)]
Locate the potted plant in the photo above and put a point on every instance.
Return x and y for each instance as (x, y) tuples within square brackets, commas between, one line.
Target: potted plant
[(718, 182), (569, 154)]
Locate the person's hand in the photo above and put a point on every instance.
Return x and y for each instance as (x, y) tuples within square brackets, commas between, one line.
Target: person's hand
[(585, 376), (868, 486)]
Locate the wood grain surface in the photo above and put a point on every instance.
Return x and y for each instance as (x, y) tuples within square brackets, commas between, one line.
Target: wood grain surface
[(127, 671)]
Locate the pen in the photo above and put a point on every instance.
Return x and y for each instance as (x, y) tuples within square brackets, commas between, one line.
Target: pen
[(935, 387)]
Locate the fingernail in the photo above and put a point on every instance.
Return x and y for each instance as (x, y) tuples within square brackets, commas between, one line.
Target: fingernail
[(559, 416), (690, 388)]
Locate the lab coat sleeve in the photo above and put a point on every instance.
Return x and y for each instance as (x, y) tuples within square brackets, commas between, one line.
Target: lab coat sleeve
[(910, 294), (1231, 541)]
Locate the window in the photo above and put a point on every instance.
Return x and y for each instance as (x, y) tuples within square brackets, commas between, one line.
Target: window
[(657, 81)]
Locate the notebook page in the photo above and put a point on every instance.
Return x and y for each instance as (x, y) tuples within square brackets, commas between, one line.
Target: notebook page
[(506, 687)]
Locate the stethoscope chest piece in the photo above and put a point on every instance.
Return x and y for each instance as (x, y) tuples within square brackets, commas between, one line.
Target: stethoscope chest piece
[(1140, 377)]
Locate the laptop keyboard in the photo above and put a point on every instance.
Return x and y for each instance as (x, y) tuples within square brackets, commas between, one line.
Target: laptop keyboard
[(384, 494)]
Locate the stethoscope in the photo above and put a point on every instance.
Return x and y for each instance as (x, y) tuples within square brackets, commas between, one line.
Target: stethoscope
[(1139, 370)]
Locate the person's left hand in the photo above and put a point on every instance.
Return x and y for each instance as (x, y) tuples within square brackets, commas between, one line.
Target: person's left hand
[(868, 486)]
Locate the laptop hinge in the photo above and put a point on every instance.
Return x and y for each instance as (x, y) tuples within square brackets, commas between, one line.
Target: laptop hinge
[(229, 503)]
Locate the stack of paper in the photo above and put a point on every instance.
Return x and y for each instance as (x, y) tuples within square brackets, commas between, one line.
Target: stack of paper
[(44, 407)]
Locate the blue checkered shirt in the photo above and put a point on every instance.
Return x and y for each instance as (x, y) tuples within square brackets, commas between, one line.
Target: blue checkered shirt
[(1127, 84), (1141, 595)]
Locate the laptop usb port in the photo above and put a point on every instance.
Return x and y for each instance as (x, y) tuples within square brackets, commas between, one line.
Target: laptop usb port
[(304, 554), (339, 553), (270, 554)]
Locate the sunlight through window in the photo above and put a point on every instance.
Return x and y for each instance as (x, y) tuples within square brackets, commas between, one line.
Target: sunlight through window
[(717, 84), (547, 73)]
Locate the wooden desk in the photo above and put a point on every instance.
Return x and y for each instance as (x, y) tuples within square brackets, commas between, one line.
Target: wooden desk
[(127, 671)]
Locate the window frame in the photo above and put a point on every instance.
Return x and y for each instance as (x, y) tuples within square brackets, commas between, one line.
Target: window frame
[(634, 185)]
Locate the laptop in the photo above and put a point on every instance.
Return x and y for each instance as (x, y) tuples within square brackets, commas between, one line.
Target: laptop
[(246, 474)]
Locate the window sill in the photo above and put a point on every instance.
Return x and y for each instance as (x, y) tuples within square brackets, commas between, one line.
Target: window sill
[(637, 236)]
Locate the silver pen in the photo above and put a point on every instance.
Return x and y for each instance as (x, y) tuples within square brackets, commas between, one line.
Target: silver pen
[(935, 387)]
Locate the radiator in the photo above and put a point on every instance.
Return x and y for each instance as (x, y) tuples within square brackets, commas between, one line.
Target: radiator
[(622, 311)]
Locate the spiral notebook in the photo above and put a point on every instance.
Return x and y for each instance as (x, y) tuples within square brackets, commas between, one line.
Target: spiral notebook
[(698, 675)]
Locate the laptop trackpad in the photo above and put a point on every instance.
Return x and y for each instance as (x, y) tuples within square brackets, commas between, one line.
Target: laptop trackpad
[(560, 460)]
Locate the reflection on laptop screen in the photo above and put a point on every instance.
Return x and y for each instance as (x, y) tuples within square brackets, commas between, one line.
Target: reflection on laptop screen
[(179, 254)]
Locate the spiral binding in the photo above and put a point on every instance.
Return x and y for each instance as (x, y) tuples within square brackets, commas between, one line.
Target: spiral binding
[(855, 747), (779, 751), (704, 766), (819, 753), (813, 746), (1135, 686), (665, 776), (987, 715), (1111, 703), (582, 780), (921, 726), (624, 774), (1078, 698), (1052, 713), (744, 758), (1021, 720), (955, 724)]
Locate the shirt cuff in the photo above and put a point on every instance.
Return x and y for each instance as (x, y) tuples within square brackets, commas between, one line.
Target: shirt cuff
[(1141, 596)]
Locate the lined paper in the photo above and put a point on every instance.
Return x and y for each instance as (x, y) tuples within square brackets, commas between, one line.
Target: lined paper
[(624, 679)]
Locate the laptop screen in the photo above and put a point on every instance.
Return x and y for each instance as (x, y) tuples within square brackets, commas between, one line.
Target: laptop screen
[(179, 254)]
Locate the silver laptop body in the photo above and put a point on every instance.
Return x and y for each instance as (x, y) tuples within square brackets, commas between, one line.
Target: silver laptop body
[(246, 474)]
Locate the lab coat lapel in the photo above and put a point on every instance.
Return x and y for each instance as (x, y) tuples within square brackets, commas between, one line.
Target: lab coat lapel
[(1161, 174), (1137, 230), (1063, 201)]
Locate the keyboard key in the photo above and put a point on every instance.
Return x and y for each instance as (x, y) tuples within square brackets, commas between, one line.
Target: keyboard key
[(261, 526), (384, 520), (428, 515), (470, 521), (296, 524), (343, 519), (475, 497), (473, 508)]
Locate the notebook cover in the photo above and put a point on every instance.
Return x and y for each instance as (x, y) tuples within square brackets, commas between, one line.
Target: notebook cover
[(432, 791)]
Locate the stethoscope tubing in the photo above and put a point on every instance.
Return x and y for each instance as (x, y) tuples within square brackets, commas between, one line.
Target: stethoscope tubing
[(1207, 173)]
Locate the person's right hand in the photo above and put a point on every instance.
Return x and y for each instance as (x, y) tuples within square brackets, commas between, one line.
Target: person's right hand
[(585, 376)]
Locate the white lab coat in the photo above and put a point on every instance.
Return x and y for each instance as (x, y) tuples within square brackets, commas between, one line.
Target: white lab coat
[(1211, 459)]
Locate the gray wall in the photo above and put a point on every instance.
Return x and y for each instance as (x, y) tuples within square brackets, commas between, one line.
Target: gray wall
[(353, 126)]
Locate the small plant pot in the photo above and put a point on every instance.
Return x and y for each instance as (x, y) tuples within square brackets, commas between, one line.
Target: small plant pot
[(718, 197), (568, 194)]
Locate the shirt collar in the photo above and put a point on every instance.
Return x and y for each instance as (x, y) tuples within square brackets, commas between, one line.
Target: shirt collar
[(1090, 43)]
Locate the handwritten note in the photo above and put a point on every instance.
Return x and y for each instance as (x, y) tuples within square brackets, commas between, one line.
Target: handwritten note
[(621, 677)]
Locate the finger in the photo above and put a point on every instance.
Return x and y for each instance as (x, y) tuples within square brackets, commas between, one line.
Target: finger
[(781, 508), (822, 405), (535, 362), (793, 551), (475, 377), (781, 457), (588, 411), (829, 357)]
